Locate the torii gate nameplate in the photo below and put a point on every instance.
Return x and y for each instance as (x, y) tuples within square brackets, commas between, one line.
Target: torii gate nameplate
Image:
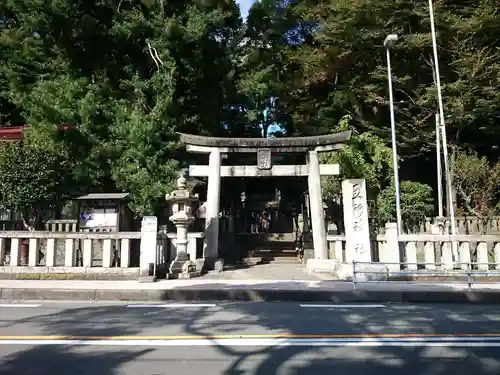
[(264, 158)]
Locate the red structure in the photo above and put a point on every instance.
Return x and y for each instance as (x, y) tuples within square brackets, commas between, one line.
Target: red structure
[(15, 133), (12, 133)]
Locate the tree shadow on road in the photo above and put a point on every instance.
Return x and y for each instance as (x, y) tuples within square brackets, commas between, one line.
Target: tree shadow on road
[(233, 319), (55, 360), (68, 358)]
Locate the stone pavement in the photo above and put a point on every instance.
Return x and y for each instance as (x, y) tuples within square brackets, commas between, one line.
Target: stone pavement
[(270, 272), (271, 282)]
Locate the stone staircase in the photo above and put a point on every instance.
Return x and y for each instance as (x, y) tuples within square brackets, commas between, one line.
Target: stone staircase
[(274, 248)]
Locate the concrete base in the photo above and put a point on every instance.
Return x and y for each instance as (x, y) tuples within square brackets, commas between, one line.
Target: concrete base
[(177, 265), (68, 273), (307, 254), (321, 265), (213, 264), (242, 293), (134, 271), (184, 269), (199, 263), (147, 279), (375, 272), (186, 275)]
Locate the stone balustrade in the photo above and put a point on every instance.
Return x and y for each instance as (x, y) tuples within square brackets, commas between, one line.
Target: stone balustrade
[(466, 225), (68, 251), (427, 251), (61, 225), (336, 247), (115, 252), (481, 252), (53, 252), (167, 249), (441, 252)]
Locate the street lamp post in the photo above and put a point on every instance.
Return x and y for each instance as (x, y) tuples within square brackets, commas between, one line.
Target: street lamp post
[(441, 122), (439, 170), (389, 42)]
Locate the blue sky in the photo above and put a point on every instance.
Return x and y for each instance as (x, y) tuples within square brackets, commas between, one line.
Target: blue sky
[(244, 6)]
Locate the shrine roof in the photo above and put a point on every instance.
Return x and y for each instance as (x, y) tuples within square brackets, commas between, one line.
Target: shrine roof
[(289, 144)]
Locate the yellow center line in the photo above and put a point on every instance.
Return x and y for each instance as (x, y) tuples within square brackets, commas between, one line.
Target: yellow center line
[(256, 336)]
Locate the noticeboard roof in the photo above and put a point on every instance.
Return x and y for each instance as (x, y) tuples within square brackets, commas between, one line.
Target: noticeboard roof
[(100, 196)]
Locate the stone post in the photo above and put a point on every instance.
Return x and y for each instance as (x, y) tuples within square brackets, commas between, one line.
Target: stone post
[(305, 218), (15, 254), (316, 202), (390, 251), (2, 252), (357, 231), (181, 241), (149, 235), (211, 241)]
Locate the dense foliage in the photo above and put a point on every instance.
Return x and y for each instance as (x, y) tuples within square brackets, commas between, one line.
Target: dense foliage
[(416, 204), (476, 182), (36, 177), (127, 75)]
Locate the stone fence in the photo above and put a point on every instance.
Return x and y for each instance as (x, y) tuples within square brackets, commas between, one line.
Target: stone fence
[(466, 225), (426, 251), (122, 253), (69, 252), (106, 253), (61, 225)]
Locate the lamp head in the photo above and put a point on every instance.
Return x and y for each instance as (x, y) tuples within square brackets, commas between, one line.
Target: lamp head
[(390, 40)]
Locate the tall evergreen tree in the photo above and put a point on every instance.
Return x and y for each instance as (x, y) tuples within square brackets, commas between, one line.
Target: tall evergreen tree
[(127, 75)]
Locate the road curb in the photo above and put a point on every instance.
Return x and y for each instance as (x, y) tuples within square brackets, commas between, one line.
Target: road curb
[(206, 294)]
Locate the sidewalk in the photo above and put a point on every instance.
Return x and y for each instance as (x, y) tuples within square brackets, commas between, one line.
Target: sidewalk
[(248, 290)]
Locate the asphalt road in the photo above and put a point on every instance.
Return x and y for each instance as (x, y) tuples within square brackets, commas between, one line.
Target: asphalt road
[(259, 338)]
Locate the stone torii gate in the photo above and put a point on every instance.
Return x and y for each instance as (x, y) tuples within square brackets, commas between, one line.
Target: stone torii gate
[(264, 148)]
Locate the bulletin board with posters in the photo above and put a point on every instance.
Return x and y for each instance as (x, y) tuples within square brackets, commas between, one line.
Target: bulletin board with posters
[(104, 212)]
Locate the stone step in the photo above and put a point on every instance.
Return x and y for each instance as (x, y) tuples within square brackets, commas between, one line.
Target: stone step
[(255, 260), (281, 237), (273, 253), (267, 249), (274, 244)]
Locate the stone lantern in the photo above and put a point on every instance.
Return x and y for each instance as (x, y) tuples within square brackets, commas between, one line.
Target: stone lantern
[(182, 203)]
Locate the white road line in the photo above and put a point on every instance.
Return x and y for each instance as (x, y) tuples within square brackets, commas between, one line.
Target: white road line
[(173, 305), (444, 342), (324, 306), (18, 305)]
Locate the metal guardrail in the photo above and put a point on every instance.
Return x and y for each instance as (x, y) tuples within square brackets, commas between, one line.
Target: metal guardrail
[(469, 272)]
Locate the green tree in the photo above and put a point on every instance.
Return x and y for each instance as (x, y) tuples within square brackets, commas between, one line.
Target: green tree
[(35, 178), (127, 76), (365, 156), (332, 63), (476, 181), (329, 61), (417, 203)]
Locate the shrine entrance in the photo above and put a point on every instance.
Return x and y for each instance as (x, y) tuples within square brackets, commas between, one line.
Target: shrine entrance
[(267, 219), (259, 213)]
